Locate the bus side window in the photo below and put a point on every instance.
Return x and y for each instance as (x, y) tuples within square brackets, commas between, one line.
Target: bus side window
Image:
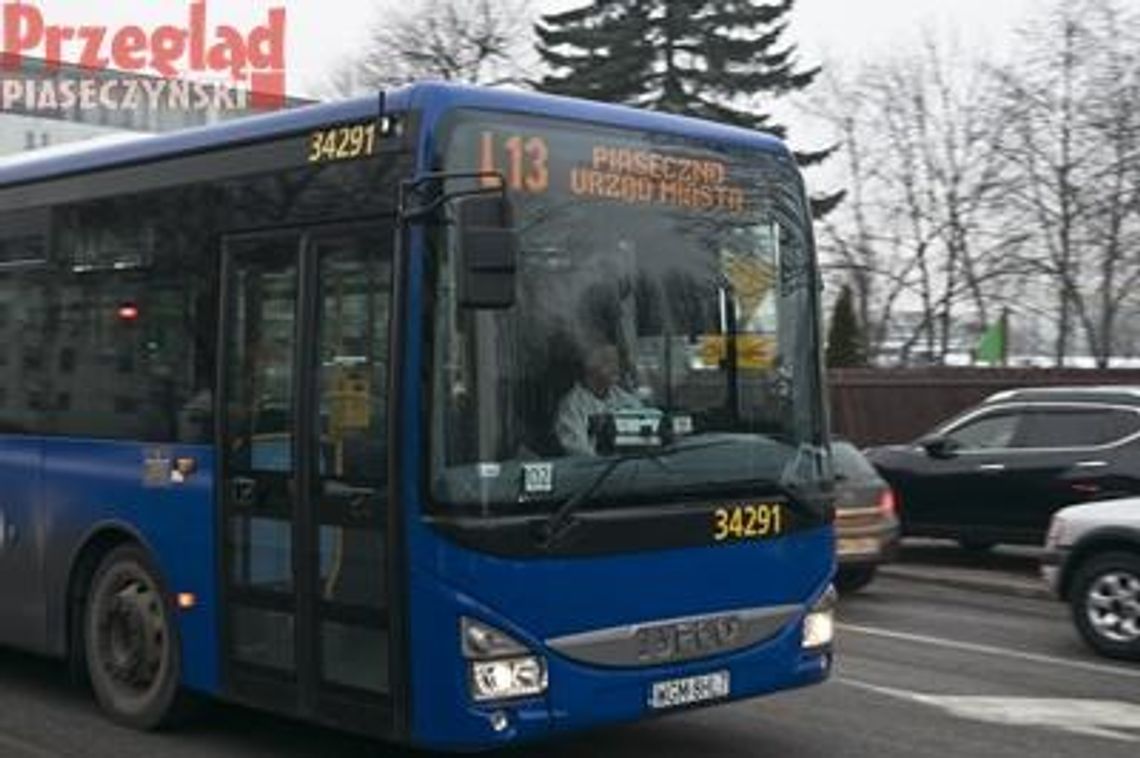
[(131, 354), (25, 365)]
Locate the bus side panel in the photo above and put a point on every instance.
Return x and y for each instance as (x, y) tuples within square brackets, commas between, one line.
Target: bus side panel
[(91, 484), (22, 607)]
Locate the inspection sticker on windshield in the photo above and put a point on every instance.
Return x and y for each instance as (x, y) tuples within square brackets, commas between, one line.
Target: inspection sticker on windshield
[(538, 478), (673, 693)]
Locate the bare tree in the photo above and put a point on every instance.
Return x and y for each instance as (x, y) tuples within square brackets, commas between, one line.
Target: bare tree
[(919, 135), (975, 188), (1073, 163), (469, 41), (857, 243)]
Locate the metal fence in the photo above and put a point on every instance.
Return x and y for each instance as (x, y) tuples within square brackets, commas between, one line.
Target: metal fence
[(879, 406)]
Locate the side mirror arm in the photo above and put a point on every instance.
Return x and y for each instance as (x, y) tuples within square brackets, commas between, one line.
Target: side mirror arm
[(412, 206)]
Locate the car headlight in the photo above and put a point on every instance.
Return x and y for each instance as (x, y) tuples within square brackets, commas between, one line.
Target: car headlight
[(499, 667), (819, 623)]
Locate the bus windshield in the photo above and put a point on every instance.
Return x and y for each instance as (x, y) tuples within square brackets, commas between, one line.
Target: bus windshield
[(665, 317)]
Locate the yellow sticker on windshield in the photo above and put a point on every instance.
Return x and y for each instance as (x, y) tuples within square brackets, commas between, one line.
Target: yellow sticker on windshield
[(753, 351)]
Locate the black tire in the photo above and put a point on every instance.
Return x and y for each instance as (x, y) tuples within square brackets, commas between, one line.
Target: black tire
[(976, 544), (1105, 600), (854, 578), (130, 642)]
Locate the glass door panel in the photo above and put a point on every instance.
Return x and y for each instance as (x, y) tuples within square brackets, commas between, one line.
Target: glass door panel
[(259, 422), (355, 276)]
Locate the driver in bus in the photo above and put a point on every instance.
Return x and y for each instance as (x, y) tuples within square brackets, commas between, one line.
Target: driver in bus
[(596, 392)]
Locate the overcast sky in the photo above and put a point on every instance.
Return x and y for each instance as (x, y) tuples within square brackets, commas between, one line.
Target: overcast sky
[(322, 31)]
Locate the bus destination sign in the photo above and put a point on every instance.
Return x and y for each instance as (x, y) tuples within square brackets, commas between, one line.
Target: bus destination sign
[(602, 170)]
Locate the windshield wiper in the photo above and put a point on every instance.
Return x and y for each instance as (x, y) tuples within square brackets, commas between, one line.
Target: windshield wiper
[(551, 530), (554, 528)]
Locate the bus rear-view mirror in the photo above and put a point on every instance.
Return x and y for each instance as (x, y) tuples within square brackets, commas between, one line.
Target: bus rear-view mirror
[(488, 250)]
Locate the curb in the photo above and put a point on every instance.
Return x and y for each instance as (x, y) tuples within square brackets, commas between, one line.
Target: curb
[(994, 585)]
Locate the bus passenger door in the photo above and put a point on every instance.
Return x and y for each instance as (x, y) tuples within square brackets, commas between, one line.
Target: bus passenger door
[(303, 435)]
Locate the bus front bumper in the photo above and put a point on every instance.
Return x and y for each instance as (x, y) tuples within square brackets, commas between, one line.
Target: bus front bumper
[(581, 697)]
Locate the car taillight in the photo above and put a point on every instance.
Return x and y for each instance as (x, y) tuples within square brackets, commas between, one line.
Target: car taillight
[(887, 504)]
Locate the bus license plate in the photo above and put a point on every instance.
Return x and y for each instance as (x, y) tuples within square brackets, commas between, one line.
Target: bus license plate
[(692, 689)]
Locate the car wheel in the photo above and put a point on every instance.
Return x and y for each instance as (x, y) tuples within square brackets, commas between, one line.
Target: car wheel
[(131, 645), (976, 544), (854, 578), (1105, 601)]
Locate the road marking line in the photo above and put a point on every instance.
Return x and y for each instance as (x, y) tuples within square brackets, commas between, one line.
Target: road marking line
[(23, 748), (990, 650), (1110, 719)]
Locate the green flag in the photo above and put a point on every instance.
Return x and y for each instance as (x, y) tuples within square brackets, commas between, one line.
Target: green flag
[(991, 347)]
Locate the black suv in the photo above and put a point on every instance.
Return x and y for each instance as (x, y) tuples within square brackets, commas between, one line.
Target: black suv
[(997, 472)]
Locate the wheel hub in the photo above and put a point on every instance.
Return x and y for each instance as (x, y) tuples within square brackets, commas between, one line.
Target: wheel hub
[(1113, 606), (133, 641)]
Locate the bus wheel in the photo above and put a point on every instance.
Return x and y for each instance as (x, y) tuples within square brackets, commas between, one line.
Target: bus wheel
[(133, 658)]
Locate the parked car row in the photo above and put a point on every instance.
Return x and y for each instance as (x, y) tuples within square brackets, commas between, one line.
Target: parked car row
[(1023, 467), (999, 471)]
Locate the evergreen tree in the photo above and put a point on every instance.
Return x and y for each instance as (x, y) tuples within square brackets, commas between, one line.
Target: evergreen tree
[(844, 340), (702, 58)]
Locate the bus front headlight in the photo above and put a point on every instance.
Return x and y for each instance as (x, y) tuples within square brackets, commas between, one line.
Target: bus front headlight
[(508, 678), (819, 623), (499, 667)]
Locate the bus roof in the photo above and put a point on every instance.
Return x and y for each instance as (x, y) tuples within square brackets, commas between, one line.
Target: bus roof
[(432, 97)]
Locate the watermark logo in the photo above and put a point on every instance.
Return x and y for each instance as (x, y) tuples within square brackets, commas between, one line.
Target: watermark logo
[(192, 63)]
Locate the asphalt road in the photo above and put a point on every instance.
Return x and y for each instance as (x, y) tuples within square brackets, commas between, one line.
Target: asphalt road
[(924, 670)]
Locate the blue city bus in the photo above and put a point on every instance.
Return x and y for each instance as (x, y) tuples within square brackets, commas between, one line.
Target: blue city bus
[(454, 416)]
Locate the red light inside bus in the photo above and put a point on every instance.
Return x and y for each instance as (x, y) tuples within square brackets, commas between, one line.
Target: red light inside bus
[(128, 312)]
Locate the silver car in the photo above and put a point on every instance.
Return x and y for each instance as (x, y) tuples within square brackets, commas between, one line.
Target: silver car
[(1092, 561)]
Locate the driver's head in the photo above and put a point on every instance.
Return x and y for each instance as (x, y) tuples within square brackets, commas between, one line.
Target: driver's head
[(602, 367)]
